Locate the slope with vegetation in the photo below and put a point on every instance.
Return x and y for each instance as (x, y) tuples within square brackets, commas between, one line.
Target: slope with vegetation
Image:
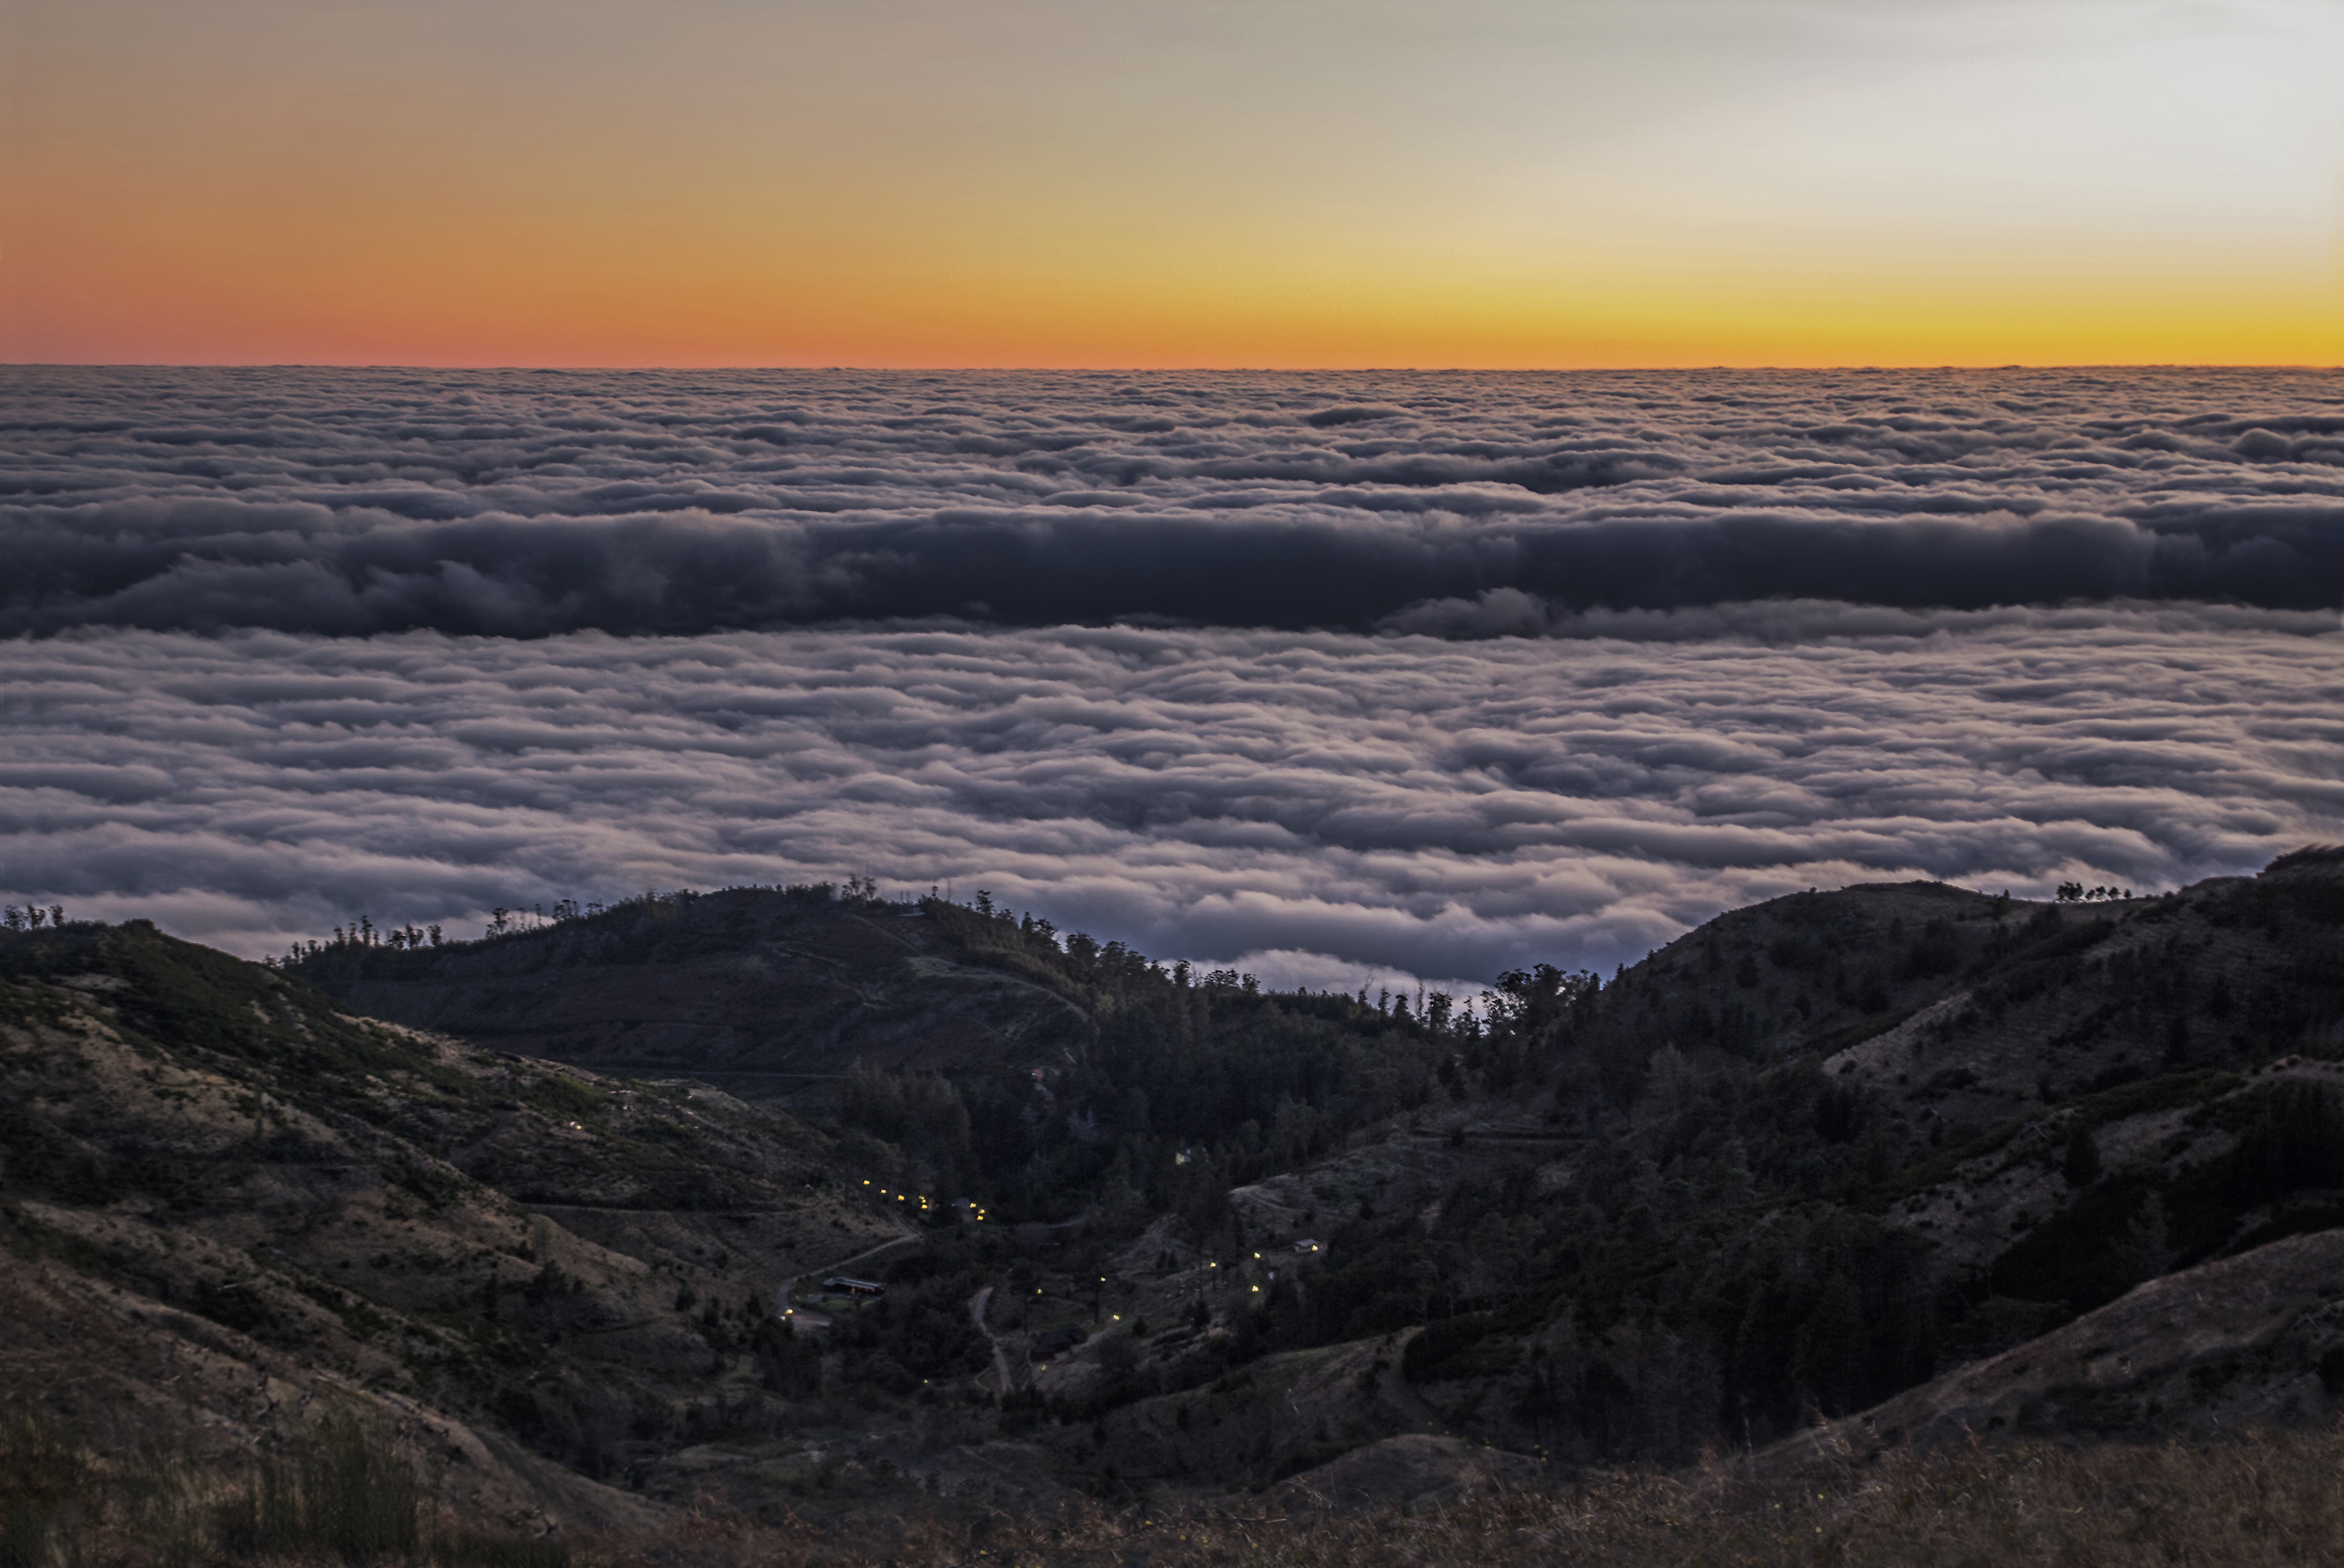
[(233, 1209), (1837, 1143), (1166, 1240)]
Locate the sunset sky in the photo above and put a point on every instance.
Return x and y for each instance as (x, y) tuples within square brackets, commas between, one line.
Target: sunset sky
[(1138, 183)]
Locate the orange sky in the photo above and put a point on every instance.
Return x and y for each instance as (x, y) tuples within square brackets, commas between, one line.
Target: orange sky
[(1280, 183)]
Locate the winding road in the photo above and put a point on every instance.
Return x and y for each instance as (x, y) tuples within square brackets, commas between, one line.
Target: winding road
[(1001, 1362), (822, 1320)]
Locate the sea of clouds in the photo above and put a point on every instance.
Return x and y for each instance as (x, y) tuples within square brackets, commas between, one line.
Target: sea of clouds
[(1333, 677)]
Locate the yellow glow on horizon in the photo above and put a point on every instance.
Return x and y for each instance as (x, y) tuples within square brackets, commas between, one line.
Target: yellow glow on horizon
[(1296, 184)]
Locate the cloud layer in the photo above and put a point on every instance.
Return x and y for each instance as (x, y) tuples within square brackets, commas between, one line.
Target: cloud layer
[(1319, 807), (1330, 676), (535, 503)]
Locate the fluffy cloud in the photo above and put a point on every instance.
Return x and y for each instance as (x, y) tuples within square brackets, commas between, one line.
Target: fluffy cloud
[(531, 504), (1330, 677), (1319, 806)]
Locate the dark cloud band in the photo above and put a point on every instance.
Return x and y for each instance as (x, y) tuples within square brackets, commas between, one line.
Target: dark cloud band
[(530, 505)]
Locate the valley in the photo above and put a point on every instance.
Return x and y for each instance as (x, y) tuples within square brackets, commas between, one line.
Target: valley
[(556, 1212)]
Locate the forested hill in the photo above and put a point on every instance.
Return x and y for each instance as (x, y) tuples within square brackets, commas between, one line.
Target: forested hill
[(1814, 1153), (1828, 1147), (1043, 1074), (1831, 1150), (795, 984)]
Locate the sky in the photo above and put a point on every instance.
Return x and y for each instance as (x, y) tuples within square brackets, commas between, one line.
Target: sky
[(1341, 679), (1134, 183)]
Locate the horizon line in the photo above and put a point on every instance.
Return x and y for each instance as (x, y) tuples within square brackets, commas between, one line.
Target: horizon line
[(1110, 369)]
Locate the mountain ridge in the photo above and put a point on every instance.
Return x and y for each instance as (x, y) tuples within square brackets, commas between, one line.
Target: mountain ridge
[(1823, 1152)]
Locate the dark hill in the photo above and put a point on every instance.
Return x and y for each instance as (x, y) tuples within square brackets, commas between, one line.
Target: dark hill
[(1045, 1075), (229, 1208), (1830, 1145), (766, 991), (1823, 1152), (2254, 1340)]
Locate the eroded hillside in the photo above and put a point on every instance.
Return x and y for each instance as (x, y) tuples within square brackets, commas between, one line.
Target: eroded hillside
[(229, 1202)]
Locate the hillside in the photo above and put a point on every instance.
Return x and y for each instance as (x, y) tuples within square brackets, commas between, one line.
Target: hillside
[(772, 994), (1778, 1211), (2249, 1340), (236, 1210), (1008, 1063), (1150, 1234), (233, 1208)]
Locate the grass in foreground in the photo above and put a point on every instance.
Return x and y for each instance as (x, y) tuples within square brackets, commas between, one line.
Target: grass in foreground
[(2265, 1498), (344, 1493), (2262, 1499)]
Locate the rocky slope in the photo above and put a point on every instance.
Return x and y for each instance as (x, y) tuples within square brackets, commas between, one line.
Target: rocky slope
[(231, 1205)]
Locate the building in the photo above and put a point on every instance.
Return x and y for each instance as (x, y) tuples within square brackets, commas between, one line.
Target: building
[(858, 1290)]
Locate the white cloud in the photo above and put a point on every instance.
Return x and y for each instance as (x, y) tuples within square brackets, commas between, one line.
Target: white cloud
[(1323, 808), (1605, 653)]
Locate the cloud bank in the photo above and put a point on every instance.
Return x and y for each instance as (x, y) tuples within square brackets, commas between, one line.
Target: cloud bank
[(1323, 807), (1333, 677), (532, 504)]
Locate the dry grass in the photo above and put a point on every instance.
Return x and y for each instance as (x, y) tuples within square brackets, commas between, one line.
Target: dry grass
[(343, 1494), (2260, 1498), (2264, 1498)]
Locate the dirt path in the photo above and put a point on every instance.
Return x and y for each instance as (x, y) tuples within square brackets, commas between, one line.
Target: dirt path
[(976, 1306)]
